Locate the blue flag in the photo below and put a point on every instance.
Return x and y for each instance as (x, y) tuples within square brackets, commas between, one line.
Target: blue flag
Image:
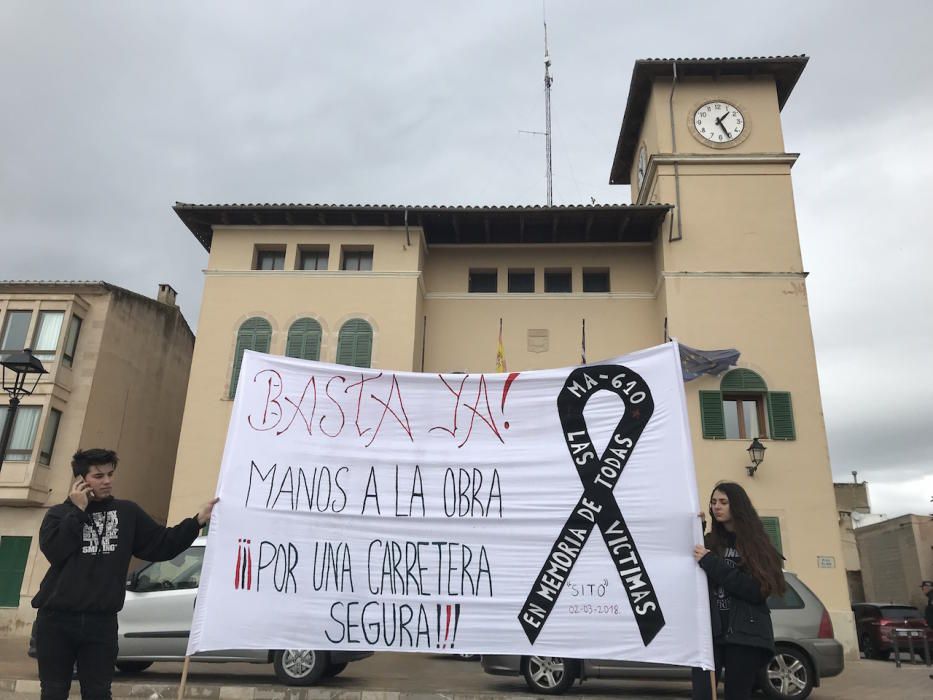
[(695, 362)]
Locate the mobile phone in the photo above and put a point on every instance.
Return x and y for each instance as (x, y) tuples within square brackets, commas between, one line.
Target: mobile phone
[(90, 491)]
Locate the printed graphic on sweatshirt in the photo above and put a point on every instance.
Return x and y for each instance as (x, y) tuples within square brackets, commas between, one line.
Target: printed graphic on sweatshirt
[(732, 558), (101, 535)]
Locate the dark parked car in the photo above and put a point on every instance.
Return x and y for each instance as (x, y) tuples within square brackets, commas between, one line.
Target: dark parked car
[(803, 635), (875, 624)]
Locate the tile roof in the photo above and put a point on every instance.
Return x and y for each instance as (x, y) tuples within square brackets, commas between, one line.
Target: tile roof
[(444, 224)]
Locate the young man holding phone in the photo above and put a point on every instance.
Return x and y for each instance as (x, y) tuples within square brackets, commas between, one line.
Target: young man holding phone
[(89, 540)]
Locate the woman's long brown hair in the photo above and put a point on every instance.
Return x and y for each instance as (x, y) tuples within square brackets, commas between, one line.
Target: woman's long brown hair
[(759, 557)]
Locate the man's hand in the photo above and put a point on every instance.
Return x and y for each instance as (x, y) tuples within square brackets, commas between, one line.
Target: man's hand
[(699, 552), (205, 514), (80, 490)]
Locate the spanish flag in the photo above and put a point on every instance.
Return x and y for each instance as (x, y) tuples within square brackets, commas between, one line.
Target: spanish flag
[(500, 353)]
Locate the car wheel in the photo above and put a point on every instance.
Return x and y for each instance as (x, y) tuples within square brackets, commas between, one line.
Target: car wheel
[(871, 651), (334, 670), (300, 666), (133, 666), (788, 675), (468, 657), (549, 675)]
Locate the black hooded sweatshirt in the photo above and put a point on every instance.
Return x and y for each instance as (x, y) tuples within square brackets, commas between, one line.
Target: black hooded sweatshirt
[(90, 552)]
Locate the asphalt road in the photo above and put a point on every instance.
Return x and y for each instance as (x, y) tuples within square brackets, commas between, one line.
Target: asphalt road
[(399, 672), (433, 675), (388, 671)]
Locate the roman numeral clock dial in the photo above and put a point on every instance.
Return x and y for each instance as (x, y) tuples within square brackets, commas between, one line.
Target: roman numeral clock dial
[(719, 124)]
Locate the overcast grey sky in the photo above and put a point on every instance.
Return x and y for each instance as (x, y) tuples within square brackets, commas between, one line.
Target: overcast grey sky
[(112, 111)]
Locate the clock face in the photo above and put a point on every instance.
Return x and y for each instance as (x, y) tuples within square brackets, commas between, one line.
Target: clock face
[(642, 165), (719, 122)]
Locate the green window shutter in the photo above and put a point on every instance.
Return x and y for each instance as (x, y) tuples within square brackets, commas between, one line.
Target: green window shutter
[(773, 530), (254, 334), (781, 416), (304, 340), (742, 380), (355, 344), (711, 416), (14, 552)]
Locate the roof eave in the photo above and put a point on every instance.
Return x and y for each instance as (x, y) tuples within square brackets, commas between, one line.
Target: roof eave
[(444, 224)]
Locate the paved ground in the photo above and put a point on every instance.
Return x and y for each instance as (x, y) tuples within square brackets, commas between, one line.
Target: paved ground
[(395, 676)]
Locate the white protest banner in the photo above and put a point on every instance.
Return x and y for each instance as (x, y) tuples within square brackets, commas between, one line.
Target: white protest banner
[(546, 512)]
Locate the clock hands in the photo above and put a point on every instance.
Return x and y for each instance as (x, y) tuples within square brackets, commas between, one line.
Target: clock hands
[(720, 124)]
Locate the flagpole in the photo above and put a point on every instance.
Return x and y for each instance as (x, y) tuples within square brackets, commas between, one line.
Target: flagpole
[(184, 677), (583, 343), (500, 352)]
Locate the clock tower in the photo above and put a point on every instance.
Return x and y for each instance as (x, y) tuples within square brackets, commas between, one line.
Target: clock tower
[(705, 136)]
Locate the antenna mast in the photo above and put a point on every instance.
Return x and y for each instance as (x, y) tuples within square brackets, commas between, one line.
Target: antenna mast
[(547, 117), (548, 81)]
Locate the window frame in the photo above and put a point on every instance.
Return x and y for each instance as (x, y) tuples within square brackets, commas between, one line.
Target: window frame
[(6, 349), (745, 384), (47, 355), (70, 346), (525, 274), (20, 452), (760, 411), (308, 334), (264, 252), (476, 274), (552, 274), (359, 254), (49, 436), (258, 334), (318, 252), (602, 272), (355, 331)]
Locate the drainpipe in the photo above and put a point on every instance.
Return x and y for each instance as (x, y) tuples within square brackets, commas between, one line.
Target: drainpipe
[(670, 234), (407, 234)]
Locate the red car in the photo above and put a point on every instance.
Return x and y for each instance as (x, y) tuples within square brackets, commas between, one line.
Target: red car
[(875, 624)]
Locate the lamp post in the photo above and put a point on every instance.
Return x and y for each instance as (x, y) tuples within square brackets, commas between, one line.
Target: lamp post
[(756, 452), (19, 370)]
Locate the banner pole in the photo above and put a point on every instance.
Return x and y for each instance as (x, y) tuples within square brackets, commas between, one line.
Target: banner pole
[(712, 681), (184, 678)]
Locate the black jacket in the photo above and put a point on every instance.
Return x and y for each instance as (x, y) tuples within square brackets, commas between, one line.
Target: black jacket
[(90, 552), (749, 615)]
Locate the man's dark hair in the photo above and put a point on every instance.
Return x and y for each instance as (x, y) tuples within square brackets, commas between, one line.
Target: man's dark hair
[(83, 460)]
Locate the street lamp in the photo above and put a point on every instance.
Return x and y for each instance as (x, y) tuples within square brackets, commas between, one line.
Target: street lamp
[(20, 369), (756, 452)]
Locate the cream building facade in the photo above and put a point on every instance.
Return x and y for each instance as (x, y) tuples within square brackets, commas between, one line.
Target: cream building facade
[(118, 366), (708, 253), (896, 555)]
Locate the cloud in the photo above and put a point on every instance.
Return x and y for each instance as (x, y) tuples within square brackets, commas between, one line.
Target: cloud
[(117, 110)]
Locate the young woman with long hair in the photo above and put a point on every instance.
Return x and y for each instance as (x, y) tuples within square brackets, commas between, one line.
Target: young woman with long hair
[(743, 569)]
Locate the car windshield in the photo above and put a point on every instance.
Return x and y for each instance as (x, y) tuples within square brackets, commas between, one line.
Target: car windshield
[(900, 612)]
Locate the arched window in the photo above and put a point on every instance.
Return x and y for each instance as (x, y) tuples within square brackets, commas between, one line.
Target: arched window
[(743, 408), (254, 334), (304, 340), (355, 343)]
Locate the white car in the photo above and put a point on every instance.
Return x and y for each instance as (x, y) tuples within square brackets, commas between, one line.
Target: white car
[(806, 652), (156, 620)]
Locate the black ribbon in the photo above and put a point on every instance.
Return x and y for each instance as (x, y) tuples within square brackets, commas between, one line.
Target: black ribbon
[(598, 506)]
